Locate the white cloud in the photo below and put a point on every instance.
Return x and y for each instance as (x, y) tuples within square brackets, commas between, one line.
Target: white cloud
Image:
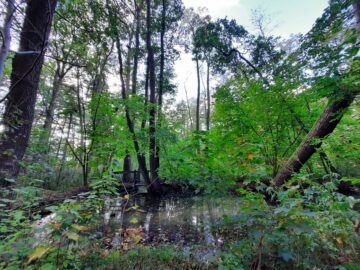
[(216, 8)]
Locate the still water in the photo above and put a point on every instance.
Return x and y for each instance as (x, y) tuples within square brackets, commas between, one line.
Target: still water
[(183, 221)]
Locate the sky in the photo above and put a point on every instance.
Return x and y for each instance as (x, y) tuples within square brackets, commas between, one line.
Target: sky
[(287, 17)]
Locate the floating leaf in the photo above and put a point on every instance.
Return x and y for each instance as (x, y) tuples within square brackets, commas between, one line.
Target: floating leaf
[(38, 253)]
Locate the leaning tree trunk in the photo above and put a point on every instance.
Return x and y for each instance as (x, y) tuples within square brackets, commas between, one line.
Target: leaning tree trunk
[(20, 106), (326, 124)]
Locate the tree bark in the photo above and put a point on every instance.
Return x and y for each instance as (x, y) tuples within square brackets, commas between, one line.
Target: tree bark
[(162, 53), (140, 156), (20, 106), (57, 82), (153, 104), (326, 124), (208, 112), (127, 168), (137, 47), (198, 95), (161, 82), (6, 35), (84, 157)]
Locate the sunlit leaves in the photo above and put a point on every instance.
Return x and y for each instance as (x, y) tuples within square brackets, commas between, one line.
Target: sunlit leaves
[(38, 253)]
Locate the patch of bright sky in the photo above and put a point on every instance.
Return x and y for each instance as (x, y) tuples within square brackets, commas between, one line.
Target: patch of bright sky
[(289, 16)]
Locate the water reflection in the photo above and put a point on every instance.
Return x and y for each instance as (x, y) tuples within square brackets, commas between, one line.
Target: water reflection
[(176, 220)]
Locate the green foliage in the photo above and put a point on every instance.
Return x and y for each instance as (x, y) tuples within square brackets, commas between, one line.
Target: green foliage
[(301, 232), (59, 242)]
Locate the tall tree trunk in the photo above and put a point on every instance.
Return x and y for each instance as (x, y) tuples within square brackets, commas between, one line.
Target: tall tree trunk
[(161, 82), (127, 159), (6, 35), (64, 153), (127, 167), (198, 94), (162, 54), (189, 108), (140, 156), (146, 98), (20, 106), (326, 124), (153, 104), (83, 158), (137, 48), (49, 117), (208, 112)]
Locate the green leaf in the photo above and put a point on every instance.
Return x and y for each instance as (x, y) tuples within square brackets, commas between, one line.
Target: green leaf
[(133, 220), (73, 236), (281, 210), (38, 253), (47, 266)]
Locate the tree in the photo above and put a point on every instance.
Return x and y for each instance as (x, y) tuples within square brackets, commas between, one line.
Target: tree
[(6, 35), (153, 103), (212, 41), (19, 111), (344, 85), (191, 22)]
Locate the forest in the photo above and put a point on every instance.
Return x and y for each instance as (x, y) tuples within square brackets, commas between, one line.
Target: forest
[(103, 166)]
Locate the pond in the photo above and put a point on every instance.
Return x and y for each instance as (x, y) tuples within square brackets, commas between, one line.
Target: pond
[(181, 221)]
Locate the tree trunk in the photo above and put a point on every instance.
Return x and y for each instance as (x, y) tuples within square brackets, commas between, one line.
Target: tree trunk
[(198, 95), (140, 157), (208, 97), (162, 53), (161, 82), (127, 168), (49, 118), (6, 35), (137, 48), (152, 110), (83, 158), (64, 153), (127, 159), (146, 98), (20, 106), (326, 124)]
